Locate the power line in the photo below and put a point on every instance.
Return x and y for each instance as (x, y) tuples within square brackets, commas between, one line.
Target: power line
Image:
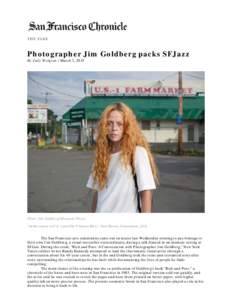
[(184, 73), (193, 76), (52, 89), (168, 76)]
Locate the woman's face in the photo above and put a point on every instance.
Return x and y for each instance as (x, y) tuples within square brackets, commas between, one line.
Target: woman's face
[(115, 126)]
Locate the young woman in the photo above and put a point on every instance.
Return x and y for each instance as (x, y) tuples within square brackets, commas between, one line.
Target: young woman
[(122, 157)]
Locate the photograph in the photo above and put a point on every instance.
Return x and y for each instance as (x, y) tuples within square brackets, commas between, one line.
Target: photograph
[(115, 177), (116, 142)]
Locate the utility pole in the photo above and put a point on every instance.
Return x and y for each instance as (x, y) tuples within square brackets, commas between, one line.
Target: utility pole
[(180, 115), (46, 102)]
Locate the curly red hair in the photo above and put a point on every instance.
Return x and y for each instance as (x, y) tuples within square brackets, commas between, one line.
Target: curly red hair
[(132, 137)]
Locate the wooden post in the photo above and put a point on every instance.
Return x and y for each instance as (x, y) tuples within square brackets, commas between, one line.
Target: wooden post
[(180, 112)]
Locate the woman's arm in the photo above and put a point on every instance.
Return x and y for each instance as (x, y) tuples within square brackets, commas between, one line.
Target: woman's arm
[(94, 202), (146, 200)]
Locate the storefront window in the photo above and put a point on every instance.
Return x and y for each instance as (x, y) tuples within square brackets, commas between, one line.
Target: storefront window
[(146, 125)]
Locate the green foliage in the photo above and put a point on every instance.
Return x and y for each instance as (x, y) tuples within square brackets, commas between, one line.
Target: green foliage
[(189, 152)]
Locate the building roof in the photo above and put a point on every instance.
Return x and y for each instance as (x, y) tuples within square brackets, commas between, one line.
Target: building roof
[(144, 107)]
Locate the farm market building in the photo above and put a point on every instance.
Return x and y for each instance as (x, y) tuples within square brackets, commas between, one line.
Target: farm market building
[(156, 109)]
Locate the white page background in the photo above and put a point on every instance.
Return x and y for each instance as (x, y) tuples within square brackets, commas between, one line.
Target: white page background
[(196, 26)]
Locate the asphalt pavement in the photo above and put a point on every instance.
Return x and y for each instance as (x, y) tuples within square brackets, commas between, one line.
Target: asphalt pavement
[(57, 179)]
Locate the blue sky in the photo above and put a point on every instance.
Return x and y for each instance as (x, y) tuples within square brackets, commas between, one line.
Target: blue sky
[(64, 89)]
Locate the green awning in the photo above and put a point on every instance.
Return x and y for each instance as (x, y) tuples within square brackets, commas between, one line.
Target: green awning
[(145, 108)]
